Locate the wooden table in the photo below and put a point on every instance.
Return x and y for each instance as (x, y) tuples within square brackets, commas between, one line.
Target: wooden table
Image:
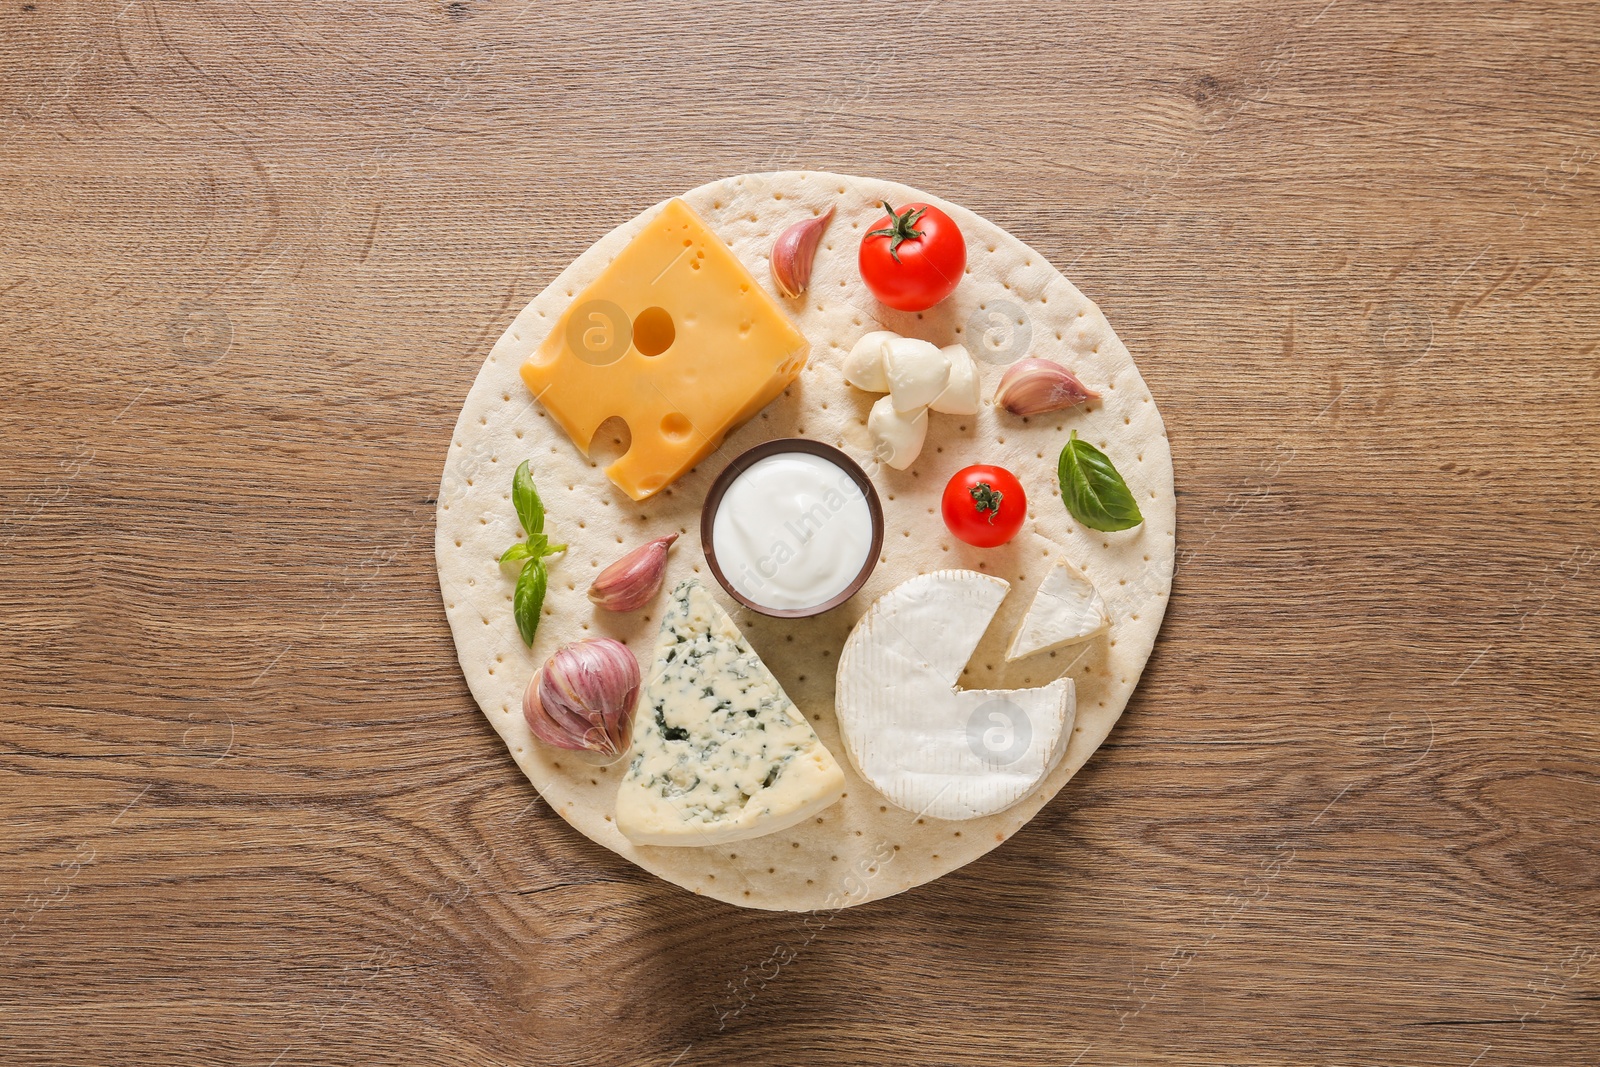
[(253, 256)]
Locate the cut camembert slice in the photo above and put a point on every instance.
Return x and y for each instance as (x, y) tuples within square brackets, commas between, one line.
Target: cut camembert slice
[(720, 753), (1066, 609), (927, 746)]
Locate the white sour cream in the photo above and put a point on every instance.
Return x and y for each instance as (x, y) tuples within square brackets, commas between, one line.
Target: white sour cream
[(792, 531)]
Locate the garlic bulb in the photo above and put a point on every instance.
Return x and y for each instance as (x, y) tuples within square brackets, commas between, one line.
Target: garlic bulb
[(794, 251), (897, 436), (960, 396), (630, 582), (583, 697), (1035, 386)]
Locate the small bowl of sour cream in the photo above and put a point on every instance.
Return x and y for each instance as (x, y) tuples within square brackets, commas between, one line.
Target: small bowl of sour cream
[(792, 528)]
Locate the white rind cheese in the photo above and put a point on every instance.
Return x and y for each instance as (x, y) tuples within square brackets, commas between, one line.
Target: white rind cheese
[(720, 753), (1066, 609), (928, 747)]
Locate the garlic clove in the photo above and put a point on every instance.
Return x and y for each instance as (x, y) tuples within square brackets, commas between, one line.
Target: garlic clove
[(794, 252), (960, 396), (630, 582), (584, 696), (553, 727), (917, 372), (863, 367), (1034, 386), (897, 436)]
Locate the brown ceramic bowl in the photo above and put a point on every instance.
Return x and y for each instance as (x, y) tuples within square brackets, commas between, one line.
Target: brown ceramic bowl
[(708, 515)]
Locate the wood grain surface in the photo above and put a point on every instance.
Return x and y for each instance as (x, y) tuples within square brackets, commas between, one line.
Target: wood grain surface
[(252, 258)]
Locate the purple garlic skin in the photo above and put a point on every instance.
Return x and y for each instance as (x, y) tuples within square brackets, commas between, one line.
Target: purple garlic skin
[(1034, 386), (631, 582), (584, 696), (795, 250)]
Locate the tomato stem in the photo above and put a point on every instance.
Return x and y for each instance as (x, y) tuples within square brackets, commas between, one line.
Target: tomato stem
[(900, 228), (987, 499)]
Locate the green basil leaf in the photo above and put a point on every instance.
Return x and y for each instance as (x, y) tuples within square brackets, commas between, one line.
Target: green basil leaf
[(534, 547), (528, 599), (525, 498), (520, 550), (1092, 489)]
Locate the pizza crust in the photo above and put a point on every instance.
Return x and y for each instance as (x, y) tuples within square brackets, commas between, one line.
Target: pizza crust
[(862, 848)]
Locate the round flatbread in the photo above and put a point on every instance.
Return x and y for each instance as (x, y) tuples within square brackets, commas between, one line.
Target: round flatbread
[(1011, 304)]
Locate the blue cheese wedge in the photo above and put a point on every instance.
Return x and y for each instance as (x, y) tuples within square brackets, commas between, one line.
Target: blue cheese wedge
[(720, 753)]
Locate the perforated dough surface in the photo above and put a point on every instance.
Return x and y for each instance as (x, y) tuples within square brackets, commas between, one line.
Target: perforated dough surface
[(863, 848)]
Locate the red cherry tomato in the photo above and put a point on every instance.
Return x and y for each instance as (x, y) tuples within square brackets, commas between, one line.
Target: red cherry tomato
[(984, 505), (913, 258)]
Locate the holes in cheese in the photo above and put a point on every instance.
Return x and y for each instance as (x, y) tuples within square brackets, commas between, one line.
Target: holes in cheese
[(676, 339), (675, 427), (611, 442), (653, 331)]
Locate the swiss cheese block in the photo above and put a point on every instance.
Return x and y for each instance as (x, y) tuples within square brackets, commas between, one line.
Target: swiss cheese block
[(720, 753), (676, 339)]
